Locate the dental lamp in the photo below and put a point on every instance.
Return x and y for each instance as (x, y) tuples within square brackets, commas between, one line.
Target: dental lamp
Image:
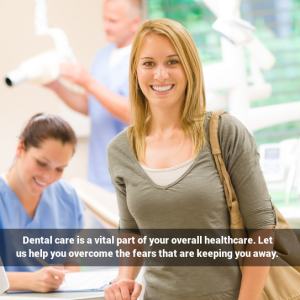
[(240, 32)]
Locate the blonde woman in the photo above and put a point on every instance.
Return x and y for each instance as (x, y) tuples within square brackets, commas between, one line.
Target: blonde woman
[(165, 176)]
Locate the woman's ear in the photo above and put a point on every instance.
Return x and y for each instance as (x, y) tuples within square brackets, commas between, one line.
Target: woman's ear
[(20, 149)]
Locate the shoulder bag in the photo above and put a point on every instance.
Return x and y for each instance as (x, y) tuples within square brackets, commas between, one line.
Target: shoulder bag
[(283, 282)]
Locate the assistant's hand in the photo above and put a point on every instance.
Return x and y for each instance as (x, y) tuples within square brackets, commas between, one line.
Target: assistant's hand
[(52, 85), (122, 289), (47, 279), (76, 74)]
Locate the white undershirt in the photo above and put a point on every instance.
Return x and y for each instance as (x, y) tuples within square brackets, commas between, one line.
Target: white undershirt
[(117, 54), (167, 176), (4, 177)]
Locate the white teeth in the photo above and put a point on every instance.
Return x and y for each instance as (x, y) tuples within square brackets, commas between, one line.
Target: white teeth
[(39, 182), (162, 88)]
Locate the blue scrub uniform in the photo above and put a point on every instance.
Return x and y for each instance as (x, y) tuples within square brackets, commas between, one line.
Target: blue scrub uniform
[(104, 126), (59, 208)]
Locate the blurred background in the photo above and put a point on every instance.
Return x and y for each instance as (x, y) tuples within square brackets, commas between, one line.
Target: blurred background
[(243, 79)]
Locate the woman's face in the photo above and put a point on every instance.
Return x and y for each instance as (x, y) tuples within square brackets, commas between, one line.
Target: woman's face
[(40, 167), (160, 72)]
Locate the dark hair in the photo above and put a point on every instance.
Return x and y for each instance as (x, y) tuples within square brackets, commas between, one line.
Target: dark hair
[(42, 127)]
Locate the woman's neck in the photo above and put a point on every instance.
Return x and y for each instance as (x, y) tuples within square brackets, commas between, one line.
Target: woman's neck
[(164, 121), (166, 144), (15, 183)]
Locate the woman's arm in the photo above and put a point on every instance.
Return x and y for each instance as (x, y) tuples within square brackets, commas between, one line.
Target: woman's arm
[(125, 286), (254, 277), (44, 280), (239, 152), (18, 281)]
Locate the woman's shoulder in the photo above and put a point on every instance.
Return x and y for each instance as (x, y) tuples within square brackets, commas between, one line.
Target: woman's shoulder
[(62, 189), (120, 154), (233, 133), (118, 143), (65, 195), (3, 184), (228, 124), (63, 185), (5, 190)]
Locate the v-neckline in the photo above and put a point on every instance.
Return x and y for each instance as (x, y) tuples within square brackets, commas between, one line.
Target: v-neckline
[(30, 220), (146, 176)]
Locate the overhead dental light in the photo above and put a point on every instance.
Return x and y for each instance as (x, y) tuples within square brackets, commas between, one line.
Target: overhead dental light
[(240, 33), (237, 31)]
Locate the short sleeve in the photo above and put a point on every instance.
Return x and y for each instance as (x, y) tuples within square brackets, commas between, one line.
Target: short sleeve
[(239, 152), (69, 201), (80, 208)]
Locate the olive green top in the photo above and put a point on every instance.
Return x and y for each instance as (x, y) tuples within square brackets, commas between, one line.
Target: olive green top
[(194, 201)]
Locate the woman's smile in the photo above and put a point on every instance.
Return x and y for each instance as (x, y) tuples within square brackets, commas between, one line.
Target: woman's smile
[(39, 183), (162, 89)]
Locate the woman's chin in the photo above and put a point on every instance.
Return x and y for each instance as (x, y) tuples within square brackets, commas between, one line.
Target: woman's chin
[(163, 103), (35, 190)]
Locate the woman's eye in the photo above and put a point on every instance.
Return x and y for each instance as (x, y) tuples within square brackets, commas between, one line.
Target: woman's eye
[(59, 170), (41, 164), (173, 62), (148, 64)]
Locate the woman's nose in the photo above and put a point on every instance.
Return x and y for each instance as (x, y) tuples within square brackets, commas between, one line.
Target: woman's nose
[(161, 73), (49, 176)]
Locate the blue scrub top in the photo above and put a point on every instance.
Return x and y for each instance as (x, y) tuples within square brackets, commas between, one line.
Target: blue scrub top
[(58, 208), (104, 126)]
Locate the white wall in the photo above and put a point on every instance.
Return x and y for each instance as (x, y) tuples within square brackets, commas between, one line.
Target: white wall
[(82, 22)]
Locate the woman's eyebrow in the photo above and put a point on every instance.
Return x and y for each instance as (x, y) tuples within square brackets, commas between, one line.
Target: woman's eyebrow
[(146, 57), (64, 166), (41, 157)]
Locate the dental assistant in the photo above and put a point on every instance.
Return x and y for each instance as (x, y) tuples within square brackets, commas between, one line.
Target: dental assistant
[(34, 196), (107, 86)]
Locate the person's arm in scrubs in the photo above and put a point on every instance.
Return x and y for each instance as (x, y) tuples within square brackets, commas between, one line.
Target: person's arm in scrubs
[(44, 280), (116, 104)]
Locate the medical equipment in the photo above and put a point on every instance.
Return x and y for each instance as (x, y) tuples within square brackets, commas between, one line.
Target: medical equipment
[(44, 68), (280, 164), (240, 32), (41, 69)]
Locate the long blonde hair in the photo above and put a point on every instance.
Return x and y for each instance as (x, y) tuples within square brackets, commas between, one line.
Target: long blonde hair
[(193, 110)]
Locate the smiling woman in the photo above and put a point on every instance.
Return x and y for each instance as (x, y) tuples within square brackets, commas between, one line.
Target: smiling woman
[(164, 172), (33, 195)]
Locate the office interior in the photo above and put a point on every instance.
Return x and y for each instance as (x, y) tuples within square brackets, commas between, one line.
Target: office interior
[(272, 91)]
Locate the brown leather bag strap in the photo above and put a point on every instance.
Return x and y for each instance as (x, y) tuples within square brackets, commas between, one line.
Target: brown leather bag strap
[(236, 220), (213, 131), (290, 276)]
